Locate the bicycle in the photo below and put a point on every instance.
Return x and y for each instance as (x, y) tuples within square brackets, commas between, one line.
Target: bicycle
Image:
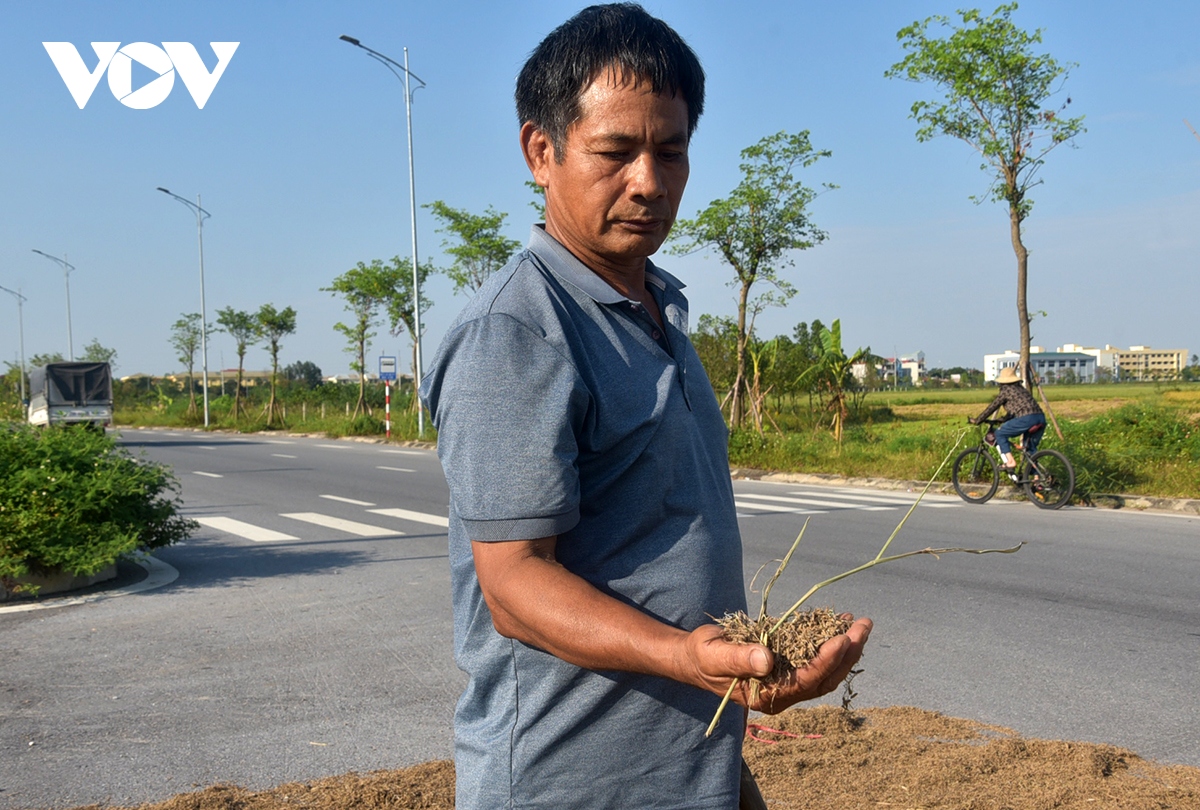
[(1046, 476)]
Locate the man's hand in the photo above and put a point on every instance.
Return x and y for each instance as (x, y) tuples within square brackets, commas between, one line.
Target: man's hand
[(715, 662)]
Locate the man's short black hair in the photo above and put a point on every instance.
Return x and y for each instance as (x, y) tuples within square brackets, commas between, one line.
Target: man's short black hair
[(620, 35)]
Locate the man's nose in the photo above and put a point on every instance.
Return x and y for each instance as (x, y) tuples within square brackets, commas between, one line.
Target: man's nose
[(646, 177)]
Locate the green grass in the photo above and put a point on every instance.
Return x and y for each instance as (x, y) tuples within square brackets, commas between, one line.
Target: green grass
[(1129, 438)]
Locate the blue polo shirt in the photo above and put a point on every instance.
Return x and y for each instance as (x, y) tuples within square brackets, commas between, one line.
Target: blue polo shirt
[(562, 408)]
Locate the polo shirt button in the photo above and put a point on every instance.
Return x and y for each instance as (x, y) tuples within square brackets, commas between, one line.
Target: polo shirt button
[(655, 334)]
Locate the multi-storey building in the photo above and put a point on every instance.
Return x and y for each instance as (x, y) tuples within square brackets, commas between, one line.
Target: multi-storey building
[(1145, 363)]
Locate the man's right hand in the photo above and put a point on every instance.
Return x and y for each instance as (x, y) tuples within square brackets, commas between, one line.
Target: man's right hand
[(715, 662)]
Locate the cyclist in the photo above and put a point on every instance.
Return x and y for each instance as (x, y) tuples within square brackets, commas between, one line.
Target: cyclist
[(1021, 415)]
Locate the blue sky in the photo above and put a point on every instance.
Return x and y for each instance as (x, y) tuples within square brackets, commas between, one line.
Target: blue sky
[(300, 155)]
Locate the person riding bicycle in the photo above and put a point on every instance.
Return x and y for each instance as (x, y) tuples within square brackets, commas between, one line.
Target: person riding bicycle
[(1021, 415)]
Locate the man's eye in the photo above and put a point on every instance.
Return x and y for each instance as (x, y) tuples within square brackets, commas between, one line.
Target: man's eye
[(672, 156), (618, 156)]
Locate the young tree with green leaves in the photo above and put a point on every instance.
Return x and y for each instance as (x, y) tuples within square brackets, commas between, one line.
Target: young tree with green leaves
[(475, 243), (185, 339), (755, 230), (367, 290), (93, 352), (274, 325), (400, 314), (995, 93), (242, 326), (832, 375)]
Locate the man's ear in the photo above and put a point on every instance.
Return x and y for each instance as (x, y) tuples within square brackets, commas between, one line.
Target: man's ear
[(538, 151)]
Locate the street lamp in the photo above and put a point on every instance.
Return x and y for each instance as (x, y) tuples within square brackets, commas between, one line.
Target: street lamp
[(67, 268), (21, 325), (391, 65), (201, 215)]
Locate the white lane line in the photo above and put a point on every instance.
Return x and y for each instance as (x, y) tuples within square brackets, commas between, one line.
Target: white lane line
[(282, 455), (277, 441), (395, 469), (239, 439), (346, 500), (206, 447), (415, 517), (335, 446), (246, 530), (348, 526), (803, 501), (405, 452), (764, 508), (941, 505), (207, 474)]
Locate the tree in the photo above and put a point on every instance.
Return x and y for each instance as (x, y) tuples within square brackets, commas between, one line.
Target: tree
[(93, 352), (367, 288), (242, 326), (273, 325), (833, 375), (539, 202), (754, 230), (478, 247), (39, 360), (401, 317), (994, 90), (185, 339), (305, 372)]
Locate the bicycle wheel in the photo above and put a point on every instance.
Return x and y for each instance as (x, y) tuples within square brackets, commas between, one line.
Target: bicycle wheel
[(975, 475), (1050, 479)]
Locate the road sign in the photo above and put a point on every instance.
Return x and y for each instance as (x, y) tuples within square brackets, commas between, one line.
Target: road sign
[(387, 369)]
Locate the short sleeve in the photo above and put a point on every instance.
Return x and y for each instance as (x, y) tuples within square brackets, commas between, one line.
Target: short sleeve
[(508, 408)]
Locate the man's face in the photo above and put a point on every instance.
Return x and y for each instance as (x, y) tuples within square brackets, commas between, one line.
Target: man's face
[(613, 197)]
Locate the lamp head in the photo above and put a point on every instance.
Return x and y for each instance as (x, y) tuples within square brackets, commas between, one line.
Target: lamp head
[(351, 40)]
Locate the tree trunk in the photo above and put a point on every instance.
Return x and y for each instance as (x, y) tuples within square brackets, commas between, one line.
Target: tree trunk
[(191, 392), (1025, 369), (361, 405), (737, 406), (271, 404), (237, 394)]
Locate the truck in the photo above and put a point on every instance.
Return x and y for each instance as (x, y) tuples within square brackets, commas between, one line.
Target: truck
[(71, 393)]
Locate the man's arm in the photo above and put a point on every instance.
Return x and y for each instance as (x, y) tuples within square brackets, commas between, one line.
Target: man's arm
[(535, 600)]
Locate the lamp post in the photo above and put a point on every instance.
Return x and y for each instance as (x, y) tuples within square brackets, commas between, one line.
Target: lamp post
[(67, 268), (21, 325), (391, 65), (201, 215)]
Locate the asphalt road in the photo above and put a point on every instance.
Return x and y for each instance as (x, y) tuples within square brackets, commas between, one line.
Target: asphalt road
[(308, 632)]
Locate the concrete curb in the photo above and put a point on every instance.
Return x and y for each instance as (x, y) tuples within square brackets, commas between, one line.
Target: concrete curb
[(1140, 503)]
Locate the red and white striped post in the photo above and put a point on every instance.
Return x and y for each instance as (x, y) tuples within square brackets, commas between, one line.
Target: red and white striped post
[(387, 407)]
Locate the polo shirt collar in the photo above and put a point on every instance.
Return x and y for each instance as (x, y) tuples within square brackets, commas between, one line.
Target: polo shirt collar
[(567, 267)]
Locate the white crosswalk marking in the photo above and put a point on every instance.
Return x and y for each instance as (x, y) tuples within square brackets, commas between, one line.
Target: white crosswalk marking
[(416, 517), (277, 441), (348, 526), (207, 474), (334, 446), (405, 452), (346, 500), (394, 469), (898, 500), (282, 455), (246, 530), (764, 508), (804, 501)]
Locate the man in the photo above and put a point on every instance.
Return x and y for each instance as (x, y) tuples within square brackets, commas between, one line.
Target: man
[(592, 527)]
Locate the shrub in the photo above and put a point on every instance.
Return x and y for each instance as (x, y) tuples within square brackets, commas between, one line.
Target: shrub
[(72, 500)]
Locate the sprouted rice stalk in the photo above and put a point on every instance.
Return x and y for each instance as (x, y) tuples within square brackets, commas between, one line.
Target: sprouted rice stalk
[(767, 634)]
